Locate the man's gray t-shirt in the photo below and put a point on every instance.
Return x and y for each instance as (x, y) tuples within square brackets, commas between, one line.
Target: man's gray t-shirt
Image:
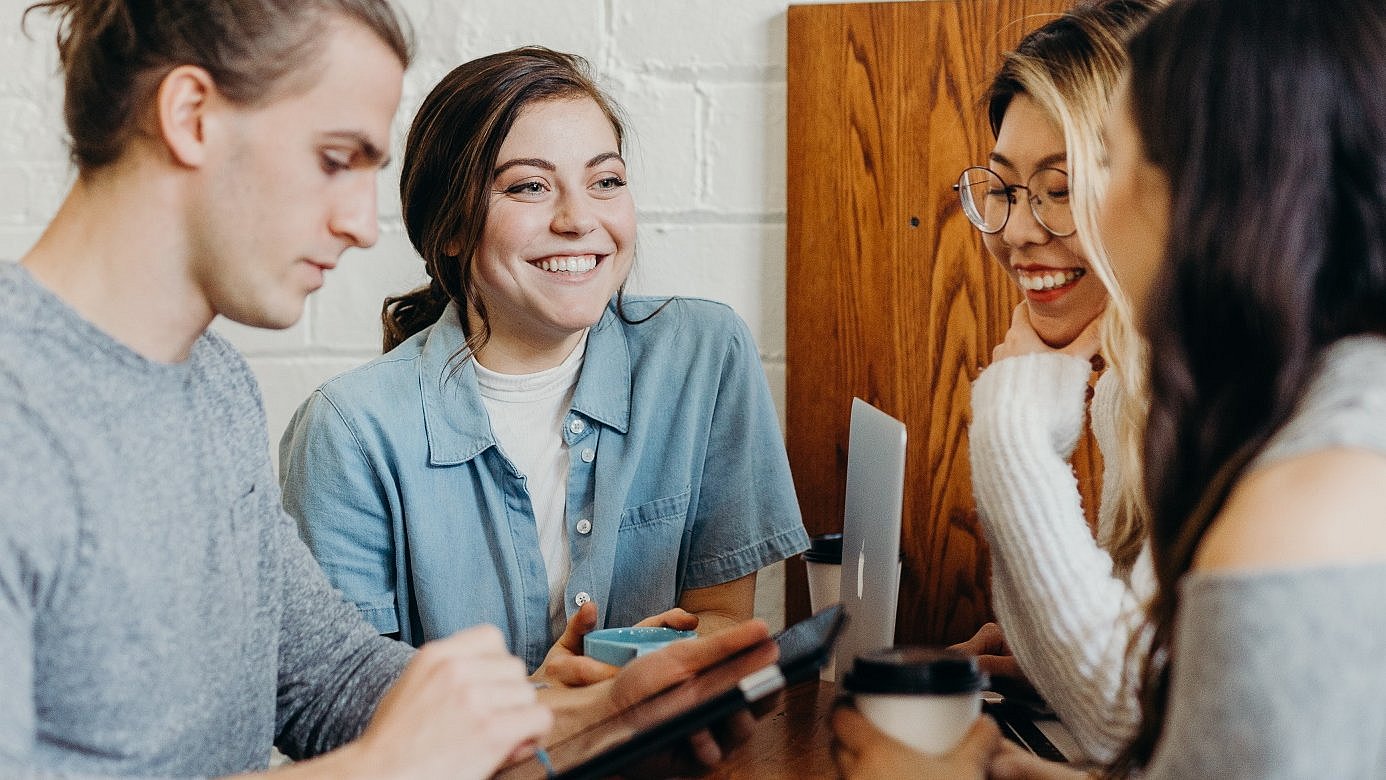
[(158, 613)]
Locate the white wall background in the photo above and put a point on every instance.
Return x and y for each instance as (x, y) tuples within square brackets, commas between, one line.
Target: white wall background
[(702, 82)]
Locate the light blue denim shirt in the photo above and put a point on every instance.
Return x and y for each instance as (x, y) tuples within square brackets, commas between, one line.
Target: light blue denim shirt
[(677, 479)]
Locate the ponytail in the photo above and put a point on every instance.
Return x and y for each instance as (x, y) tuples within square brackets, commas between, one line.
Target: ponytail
[(404, 315)]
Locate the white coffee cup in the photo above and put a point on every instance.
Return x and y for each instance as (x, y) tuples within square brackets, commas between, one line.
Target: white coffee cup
[(823, 562), (927, 698)]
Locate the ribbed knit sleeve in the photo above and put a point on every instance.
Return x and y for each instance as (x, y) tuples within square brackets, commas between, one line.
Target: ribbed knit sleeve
[(1066, 616)]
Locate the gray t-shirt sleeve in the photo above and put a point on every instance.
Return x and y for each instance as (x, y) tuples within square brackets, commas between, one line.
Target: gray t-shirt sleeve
[(1278, 676), (38, 541), (334, 667)]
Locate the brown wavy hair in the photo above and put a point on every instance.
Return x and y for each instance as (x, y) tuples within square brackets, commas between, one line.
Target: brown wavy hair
[(115, 53), (448, 168)]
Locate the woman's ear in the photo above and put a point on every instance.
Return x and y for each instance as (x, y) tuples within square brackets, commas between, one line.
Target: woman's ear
[(184, 97)]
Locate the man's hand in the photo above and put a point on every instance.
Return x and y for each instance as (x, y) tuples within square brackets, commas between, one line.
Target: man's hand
[(462, 707), (565, 664)]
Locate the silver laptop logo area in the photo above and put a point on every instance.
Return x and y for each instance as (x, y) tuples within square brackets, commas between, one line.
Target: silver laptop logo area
[(871, 532)]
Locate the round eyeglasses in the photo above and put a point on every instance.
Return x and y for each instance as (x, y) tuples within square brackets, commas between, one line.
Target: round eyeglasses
[(987, 198)]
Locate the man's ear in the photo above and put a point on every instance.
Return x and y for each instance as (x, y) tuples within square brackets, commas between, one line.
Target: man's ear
[(184, 97)]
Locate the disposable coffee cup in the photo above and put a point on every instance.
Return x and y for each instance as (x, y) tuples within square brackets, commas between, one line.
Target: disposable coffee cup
[(925, 697), (823, 560)]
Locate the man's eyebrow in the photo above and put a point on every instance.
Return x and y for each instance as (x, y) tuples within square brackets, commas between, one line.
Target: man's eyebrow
[(533, 162), (603, 157), (364, 146)]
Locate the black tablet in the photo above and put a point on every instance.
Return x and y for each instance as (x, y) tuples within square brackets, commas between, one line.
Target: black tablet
[(605, 747)]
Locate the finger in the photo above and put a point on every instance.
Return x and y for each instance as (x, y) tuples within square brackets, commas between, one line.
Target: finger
[(579, 625), (732, 731), (999, 665), (1020, 316), (1088, 342), (440, 662), (523, 751), (511, 728), (987, 640), (1012, 762), (674, 618), (695, 654), (577, 670), (980, 743), (484, 695), (704, 749), (852, 729), (845, 759)]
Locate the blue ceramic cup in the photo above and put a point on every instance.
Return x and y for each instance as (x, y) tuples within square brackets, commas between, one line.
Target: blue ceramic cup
[(616, 646)]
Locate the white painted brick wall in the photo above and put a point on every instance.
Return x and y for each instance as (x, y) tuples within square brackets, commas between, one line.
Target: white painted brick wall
[(702, 82)]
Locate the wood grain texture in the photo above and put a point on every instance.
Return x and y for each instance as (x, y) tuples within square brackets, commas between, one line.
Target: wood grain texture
[(890, 294)]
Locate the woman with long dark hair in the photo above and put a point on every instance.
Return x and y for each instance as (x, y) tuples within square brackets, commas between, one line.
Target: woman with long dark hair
[(1246, 219)]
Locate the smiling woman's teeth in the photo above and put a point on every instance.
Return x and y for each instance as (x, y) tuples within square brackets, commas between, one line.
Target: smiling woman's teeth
[(1049, 279), (571, 265)]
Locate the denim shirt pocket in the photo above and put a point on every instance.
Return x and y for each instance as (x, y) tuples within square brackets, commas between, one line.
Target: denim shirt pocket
[(649, 547), (661, 511)]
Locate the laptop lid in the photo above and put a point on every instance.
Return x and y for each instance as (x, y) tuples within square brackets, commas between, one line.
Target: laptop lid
[(871, 532)]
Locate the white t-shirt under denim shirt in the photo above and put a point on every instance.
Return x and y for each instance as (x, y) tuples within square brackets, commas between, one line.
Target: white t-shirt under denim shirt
[(677, 479), (527, 413)]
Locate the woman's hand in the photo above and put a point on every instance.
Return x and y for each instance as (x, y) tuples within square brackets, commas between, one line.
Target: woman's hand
[(1015, 763), (994, 655), (864, 752), (565, 663), (1021, 338)]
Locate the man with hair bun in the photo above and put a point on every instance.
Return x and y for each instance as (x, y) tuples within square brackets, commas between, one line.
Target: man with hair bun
[(159, 615)]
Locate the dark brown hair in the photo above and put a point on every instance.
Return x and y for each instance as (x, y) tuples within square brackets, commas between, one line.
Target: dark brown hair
[(448, 168), (1269, 122), (115, 52)]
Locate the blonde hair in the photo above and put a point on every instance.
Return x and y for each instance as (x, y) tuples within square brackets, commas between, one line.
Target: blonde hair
[(1071, 68)]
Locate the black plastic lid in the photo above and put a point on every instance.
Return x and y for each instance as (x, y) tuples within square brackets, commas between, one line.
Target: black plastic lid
[(915, 670), (825, 548)]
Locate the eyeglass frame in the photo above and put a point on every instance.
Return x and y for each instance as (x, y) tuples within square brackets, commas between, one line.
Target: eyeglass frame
[(1030, 197)]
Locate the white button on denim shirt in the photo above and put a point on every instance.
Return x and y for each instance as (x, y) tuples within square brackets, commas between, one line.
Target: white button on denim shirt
[(414, 513)]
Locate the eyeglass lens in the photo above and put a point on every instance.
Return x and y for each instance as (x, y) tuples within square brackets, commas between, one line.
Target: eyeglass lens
[(987, 198)]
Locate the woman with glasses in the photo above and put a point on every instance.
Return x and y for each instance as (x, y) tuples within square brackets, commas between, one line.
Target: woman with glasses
[(1067, 603), (1248, 169)]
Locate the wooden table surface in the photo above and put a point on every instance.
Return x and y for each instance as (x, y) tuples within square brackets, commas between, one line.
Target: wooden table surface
[(793, 740)]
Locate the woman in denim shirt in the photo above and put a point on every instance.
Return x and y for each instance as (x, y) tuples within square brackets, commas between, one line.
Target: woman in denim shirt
[(535, 441)]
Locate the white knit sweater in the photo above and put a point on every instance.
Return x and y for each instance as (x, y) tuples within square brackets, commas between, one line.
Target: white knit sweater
[(1067, 617)]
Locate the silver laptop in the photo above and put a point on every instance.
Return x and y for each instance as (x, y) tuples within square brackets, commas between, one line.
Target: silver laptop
[(871, 533)]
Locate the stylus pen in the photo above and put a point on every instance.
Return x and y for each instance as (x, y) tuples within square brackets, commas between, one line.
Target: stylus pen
[(543, 756)]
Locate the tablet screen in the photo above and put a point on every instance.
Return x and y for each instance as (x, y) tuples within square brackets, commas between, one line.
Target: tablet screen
[(604, 747)]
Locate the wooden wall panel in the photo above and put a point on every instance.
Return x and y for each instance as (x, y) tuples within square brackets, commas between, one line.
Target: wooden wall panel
[(890, 295)]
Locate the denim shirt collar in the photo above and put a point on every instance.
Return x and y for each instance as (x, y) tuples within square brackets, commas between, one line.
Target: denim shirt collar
[(456, 420)]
